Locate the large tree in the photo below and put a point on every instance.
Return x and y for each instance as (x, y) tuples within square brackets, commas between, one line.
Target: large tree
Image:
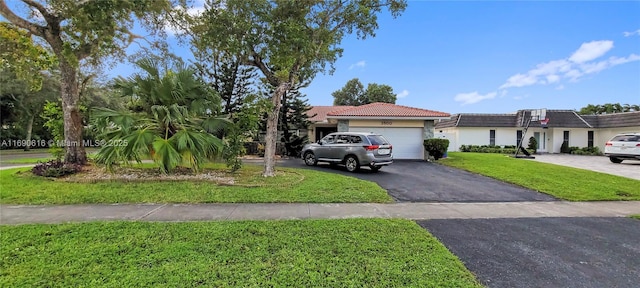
[(608, 108), (82, 32), (354, 94), (288, 41)]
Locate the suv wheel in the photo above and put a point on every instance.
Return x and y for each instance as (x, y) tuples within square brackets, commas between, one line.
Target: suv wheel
[(351, 162), (310, 159), (615, 160)]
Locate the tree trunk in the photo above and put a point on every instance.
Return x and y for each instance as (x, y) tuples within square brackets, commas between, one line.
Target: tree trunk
[(74, 148), (272, 131), (29, 130)]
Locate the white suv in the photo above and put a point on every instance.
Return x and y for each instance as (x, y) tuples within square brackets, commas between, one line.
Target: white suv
[(623, 146)]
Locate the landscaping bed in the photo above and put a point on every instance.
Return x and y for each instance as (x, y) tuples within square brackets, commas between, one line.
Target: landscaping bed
[(309, 253)]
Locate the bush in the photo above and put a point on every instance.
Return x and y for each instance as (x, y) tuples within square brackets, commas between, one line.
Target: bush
[(586, 151), (55, 168), (436, 147), (508, 149), (565, 148), (533, 144)]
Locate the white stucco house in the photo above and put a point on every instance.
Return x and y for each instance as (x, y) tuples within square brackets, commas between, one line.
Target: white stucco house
[(563, 126), (405, 127)]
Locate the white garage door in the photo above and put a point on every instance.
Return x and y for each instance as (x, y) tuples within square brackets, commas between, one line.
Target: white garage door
[(407, 142)]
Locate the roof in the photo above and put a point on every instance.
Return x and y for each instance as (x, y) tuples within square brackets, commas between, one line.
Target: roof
[(319, 113), (557, 118), (627, 119), (386, 110)]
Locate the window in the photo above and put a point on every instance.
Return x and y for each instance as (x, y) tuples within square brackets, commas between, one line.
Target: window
[(518, 137), (565, 138), (589, 138), (492, 137)]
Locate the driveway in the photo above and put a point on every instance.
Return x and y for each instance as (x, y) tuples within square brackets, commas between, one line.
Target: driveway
[(545, 252), (420, 181), (628, 168)]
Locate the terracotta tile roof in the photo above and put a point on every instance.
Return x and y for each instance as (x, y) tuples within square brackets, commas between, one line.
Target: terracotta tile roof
[(319, 113), (387, 110)]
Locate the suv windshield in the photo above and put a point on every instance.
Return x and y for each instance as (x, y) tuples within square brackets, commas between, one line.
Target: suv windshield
[(377, 140)]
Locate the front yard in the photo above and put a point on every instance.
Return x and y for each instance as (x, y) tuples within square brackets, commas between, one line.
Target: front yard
[(302, 186), (563, 182), (309, 253)]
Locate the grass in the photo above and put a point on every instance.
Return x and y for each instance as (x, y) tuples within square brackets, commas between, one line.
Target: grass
[(297, 253), (636, 216), (562, 182), (18, 186), (29, 160)]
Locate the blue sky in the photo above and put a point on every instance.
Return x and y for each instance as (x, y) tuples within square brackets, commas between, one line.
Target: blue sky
[(498, 57), (492, 56)]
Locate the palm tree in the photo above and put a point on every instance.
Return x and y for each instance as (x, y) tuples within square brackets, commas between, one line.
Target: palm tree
[(171, 118)]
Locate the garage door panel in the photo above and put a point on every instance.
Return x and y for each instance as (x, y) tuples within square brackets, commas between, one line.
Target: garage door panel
[(407, 142)]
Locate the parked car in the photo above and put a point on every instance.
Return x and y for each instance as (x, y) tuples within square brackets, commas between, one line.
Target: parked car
[(623, 146), (351, 149)]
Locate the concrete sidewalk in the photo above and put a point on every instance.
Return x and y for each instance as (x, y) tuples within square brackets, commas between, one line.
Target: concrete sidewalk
[(21, 214)]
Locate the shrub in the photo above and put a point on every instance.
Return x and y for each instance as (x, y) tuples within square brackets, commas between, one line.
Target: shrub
[(508, 149), (586, 151), (436, 147), (55, 168), (564, 148), (533, 144)]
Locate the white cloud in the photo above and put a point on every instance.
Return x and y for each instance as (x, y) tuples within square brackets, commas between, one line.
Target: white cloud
[(360, 64), (553, 78), (403, 94), (627, 34), (473, 97), (591, 50), (520, 80)]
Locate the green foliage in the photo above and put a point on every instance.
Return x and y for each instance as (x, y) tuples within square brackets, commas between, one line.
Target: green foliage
[(436, 147), (509, 149), (559, 181), (52, 114), (293, 116), (533, 144), (292, 253), (586, 151), (354, 94), (608, 108), (22, 56), (564, 148), (173, 118)]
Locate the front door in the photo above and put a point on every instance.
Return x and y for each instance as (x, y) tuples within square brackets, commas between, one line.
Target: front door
[(541, 139)]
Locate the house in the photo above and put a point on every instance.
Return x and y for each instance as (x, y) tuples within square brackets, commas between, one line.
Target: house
[(562, 126), (405, 127)]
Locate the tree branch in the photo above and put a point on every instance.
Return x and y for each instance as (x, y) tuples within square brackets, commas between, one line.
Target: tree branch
[(19, 21), (256, 61), (48, 17)]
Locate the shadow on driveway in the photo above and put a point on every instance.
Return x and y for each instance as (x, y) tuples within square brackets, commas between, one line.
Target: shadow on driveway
[(545, 252), (420, 181)]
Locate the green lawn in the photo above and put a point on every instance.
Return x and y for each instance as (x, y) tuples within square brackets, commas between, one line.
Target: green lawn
[(298, 253), (560, 181), (29, 160), (635, 216), (300, 186)]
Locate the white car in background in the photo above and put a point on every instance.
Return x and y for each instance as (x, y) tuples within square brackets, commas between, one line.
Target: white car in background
[(623, 146)]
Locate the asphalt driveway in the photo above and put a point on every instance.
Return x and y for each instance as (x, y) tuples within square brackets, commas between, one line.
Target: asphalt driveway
[(420, 181), (545, 252)]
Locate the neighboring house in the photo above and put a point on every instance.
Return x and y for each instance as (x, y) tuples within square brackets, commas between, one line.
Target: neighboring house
[(563, 126), (405, 127)]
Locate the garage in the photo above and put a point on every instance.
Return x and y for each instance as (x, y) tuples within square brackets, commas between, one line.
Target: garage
[(407, 142)]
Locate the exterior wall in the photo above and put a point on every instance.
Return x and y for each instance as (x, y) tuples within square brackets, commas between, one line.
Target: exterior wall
[(387, 123), (428, 129)]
